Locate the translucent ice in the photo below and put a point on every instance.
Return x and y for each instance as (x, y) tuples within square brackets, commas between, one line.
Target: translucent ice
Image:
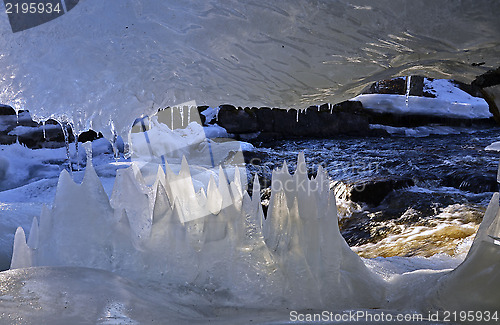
[(295, 258), (168, 232), (106, 62)]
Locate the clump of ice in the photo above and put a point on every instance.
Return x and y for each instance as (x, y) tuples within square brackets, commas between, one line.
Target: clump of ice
[(216, 239)]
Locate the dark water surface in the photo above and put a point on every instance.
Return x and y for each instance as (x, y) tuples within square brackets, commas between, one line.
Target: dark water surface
[(451, 179)]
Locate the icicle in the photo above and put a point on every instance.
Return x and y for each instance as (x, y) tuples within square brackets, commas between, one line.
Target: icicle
[(43, 130), (88, 151), (189, 115), (214, 197), (330, 105), (237, 189), (66, 143), (76, 153), (298, 115), (181, 110), (408, 88), (116, 153)]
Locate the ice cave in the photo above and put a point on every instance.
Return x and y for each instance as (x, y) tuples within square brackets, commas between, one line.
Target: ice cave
[(174, 236)]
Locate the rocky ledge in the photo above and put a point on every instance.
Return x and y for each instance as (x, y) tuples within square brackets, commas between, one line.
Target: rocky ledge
[(265, 123)]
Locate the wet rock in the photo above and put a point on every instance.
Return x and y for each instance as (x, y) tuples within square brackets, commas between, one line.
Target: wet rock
[(488, 79), (488, 85), (7, 139), (6, 110), (470, 181), (90, 135), (373, 191), (23, 129)]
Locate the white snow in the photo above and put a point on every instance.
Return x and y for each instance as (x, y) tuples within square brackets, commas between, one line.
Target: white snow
[(450, 101), (495, 146), (215, 131)]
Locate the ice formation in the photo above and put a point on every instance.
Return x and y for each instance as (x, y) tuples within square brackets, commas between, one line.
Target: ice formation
[(169, 233), (222, 244), (106, 62)]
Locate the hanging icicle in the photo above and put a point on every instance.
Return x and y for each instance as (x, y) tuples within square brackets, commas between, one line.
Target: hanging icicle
[(408, 88), (66, 143)]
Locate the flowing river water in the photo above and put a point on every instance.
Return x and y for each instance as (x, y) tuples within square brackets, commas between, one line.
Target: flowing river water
[(447, 182)]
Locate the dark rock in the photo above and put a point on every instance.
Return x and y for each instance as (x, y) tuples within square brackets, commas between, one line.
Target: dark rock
[(373, 191), (7, 139), (316, 122), (265, 119), (471, 181), (90, 135), (488, 79), (489, 87), (237, 120), (7, 110), (397, 86)]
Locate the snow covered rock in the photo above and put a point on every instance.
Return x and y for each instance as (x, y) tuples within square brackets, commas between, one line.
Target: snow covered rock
[(434, 98)]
